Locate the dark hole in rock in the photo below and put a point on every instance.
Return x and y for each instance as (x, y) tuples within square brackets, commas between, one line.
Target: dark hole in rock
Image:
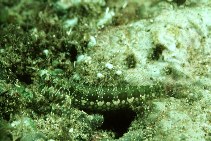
[(117, 121), (71, 49), (157, 52), (179, 2), (26, 78), (20, 72), (74, 53), (131, 61)]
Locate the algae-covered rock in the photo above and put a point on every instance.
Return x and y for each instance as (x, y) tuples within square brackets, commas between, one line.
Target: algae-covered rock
[(179, 119), (146, 61), (156, 56), (160, 64)]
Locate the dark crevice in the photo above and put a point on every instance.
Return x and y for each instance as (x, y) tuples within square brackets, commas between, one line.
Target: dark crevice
[(157, 52), (131, 61), (179, 2), (26, 78), (117, 121), (70, 50), (20, 72), (73, 53)]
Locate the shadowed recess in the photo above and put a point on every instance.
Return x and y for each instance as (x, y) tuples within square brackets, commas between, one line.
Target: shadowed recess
[(117, 121)]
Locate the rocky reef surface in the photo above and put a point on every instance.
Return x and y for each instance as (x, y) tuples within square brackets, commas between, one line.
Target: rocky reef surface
[(166, 56), (158, 51), (105, 70)]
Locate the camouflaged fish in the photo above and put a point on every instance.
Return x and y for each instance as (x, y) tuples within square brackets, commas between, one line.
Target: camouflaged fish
[(148, 59)]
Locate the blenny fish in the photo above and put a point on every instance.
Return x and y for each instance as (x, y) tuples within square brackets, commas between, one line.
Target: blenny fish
[(151, 58)]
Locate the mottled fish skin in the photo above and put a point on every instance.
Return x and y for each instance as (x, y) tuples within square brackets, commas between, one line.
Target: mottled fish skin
[(98, 98), (107, 98), (141, 61)]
